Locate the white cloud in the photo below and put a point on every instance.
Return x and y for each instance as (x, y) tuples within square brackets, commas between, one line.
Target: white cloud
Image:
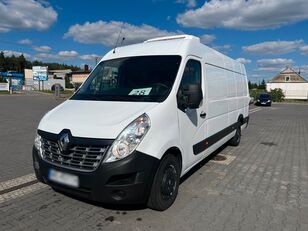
[(68, 54), (30, 14), (106, 33), (273, 47), (245, 14), (188, 3), (243, 60), (60, 56), (8, 53), (42, 48), (304, 50), (207, 38), (273, 65), (90, 57), (46, 56), (25, 42)]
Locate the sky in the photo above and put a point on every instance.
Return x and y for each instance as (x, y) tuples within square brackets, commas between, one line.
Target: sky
[(265, 35)]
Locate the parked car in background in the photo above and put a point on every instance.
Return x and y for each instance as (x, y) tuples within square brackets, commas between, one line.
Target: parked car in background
[(264, 99)]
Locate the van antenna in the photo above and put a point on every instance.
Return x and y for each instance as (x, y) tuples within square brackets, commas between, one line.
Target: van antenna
[(115, 46)]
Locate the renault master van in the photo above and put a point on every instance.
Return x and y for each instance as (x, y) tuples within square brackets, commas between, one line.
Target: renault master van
[(144, 117)]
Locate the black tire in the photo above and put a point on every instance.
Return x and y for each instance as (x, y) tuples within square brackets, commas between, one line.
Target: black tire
[(36, 171), (235, 141), (165, 184)]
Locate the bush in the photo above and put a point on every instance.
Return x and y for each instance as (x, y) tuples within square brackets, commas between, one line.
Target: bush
[(69, 85), (254, 93), (277, 95)]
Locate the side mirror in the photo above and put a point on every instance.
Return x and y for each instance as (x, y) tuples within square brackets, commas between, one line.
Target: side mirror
[(189, 96)]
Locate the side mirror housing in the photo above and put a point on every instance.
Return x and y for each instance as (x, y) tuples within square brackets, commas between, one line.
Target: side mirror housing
[(189, 96)]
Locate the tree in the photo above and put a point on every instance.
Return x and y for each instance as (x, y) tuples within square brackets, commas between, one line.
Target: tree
[(2, 80), (277, 95), (2, 61), (19, 63), (68, 83), (252, 85), (262, 85)]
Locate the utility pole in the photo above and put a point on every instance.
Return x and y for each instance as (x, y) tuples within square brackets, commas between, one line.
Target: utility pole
[(10, 83)]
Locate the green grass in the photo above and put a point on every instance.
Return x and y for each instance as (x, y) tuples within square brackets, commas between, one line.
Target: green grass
[(4, 92), (65, 92)]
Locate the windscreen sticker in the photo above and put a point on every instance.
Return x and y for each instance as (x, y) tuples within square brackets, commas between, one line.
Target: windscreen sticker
[(141, 91)]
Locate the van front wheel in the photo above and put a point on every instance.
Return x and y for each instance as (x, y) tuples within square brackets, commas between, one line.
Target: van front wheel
[(235, 141), (166, 184)]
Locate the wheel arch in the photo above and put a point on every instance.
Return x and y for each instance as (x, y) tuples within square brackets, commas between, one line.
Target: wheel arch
[(240, 119), (177, 153)]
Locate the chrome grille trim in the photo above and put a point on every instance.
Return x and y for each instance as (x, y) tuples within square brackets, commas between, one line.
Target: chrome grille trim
[(79, 157)]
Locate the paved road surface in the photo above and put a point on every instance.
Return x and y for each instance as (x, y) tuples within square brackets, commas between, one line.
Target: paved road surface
[(19, 117), (260, 185)]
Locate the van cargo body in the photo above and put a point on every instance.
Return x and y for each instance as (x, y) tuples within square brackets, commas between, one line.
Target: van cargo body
[(143, 118)]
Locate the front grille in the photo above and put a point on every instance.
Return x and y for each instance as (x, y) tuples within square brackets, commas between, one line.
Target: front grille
[(83, 158)]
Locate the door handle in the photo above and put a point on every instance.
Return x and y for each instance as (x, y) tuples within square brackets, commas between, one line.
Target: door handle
[(202, 114)]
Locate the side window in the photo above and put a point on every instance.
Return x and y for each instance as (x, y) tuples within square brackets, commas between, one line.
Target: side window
[(106, 79), (192, 74)]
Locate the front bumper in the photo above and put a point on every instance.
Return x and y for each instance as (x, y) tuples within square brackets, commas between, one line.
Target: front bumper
[(126, 181), (264, 103)]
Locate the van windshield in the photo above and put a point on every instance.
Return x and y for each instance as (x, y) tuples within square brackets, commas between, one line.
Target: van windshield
[(142, 78)]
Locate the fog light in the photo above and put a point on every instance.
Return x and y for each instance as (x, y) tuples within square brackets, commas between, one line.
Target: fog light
[(118, 195), (36, 165)]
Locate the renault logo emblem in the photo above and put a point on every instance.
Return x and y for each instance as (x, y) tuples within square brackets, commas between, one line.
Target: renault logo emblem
[(64, 143)]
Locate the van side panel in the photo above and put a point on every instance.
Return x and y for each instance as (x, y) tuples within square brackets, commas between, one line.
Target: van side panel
[(217, 99), (232, 98), (227, 95)]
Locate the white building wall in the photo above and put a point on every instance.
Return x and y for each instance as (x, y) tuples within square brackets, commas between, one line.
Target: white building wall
[(291, 90), (46, 85)]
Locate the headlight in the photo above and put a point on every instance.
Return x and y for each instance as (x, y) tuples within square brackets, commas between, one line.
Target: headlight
[(38, 143), (268, 100), (129, 139), (258, 100)]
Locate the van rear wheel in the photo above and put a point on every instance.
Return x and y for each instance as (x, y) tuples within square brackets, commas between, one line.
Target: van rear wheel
[(235, 141), (166, 184)]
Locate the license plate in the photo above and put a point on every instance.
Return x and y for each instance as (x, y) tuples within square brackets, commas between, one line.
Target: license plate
[(63, 178), (263, 103)]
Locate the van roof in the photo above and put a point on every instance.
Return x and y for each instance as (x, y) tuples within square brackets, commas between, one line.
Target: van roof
[(182, 45)]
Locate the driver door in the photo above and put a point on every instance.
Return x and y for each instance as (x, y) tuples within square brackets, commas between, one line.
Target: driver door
[(191, 121)]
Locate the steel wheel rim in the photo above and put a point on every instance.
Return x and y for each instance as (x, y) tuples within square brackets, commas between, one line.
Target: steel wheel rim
[(169, 182)]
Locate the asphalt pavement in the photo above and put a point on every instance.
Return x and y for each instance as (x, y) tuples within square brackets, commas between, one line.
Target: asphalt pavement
[(260, 185)]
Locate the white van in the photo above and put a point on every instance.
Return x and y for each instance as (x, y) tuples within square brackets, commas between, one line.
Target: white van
[(143, 118)]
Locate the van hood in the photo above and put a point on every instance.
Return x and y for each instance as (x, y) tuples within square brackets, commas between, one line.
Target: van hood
[(93, 119)]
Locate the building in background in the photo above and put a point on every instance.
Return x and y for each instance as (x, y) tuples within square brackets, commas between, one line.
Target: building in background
[(293, 85), (78, 77), (54, 77)]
